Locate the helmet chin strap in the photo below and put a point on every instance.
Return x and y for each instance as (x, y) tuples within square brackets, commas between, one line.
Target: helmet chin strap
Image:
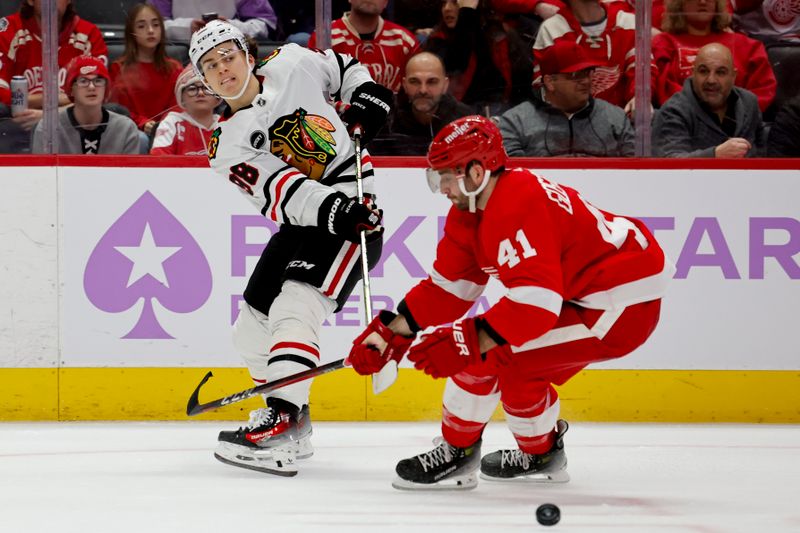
[(474, 194)]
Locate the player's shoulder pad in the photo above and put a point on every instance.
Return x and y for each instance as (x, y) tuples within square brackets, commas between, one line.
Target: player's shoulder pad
[(282, 60)]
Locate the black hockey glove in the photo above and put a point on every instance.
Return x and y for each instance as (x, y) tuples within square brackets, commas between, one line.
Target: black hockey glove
[(347, 218), (369, 108)]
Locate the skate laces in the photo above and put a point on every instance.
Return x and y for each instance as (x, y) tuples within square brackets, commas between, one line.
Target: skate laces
[(440, 455), (515, 458)]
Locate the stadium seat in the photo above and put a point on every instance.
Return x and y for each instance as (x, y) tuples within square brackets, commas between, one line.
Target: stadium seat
[(8, 6), (177, 51), (785, 60)]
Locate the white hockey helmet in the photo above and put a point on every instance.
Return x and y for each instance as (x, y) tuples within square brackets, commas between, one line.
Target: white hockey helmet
[(214, 33)]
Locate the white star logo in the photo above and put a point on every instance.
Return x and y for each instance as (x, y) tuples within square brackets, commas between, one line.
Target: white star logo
[(147, 258)]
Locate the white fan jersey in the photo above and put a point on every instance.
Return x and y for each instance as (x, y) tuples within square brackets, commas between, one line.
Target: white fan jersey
[(289, 150)]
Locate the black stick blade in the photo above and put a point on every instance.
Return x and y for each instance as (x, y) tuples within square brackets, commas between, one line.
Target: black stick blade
[(194, 399), (194, 407)]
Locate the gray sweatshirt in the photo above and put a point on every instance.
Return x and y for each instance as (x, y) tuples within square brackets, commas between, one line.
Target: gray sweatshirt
[(116, 135), (683, 128), (537, 129)]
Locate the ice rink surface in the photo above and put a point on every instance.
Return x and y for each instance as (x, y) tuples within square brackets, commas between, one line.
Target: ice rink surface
[(162, 477)]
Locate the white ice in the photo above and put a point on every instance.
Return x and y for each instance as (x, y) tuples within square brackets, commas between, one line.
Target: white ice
[(161, 477)]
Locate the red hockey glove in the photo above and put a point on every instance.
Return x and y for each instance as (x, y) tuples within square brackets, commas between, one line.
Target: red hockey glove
[(447, 350), (367, 359)]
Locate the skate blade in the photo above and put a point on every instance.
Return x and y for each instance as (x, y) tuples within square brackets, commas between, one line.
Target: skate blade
[(465, 482), (304, 448), (561, 476), (274, 461)]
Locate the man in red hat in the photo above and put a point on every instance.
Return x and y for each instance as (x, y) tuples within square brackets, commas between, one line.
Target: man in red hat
[(86, 127), (562, 119)]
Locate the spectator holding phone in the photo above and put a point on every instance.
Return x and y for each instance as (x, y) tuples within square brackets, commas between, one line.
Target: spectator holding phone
[(254, 18)]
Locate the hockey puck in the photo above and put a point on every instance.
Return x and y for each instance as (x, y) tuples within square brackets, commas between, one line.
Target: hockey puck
[(548, 514)]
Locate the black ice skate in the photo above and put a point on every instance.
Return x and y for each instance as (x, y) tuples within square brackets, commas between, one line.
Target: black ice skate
[(272, 440), (550, 467), (443, 468)]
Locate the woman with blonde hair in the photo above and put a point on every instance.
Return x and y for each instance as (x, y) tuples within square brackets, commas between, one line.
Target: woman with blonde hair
[(687, 26), (143, 79)]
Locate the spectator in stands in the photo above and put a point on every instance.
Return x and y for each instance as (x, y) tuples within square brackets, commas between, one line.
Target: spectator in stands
[(188, 131), (784, 135), (710, 117), (488, 65), (562, 119), (382, 46), (606, 31), (21, 55), (691, 24), (86, 127), (143, 79), (255, 18), (769, 21), (423, 108)]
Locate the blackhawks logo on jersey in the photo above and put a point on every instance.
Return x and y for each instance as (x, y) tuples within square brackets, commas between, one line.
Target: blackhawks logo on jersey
[(304, 141), (213, 144), (268, 58)]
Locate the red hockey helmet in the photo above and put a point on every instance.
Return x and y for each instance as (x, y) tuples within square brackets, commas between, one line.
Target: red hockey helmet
[(471, 138)]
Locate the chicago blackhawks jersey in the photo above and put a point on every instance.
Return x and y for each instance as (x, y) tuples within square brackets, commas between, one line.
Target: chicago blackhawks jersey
[(546, 245), (21, 50), (385, 55), (288, 150)]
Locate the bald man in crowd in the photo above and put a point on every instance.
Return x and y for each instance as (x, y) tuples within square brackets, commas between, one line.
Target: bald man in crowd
[(423, 108), (710, 117)]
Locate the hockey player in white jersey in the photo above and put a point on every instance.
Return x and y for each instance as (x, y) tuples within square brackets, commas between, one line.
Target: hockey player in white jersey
[(285, 147)]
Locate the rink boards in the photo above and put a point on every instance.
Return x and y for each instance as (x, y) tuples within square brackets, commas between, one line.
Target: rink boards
[(119, 284)]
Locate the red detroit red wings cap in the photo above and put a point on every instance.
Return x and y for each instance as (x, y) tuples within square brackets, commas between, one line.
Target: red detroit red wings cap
[(565, 56)]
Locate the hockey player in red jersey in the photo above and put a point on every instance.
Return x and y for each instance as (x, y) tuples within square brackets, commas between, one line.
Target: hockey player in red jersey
[(583, 285)]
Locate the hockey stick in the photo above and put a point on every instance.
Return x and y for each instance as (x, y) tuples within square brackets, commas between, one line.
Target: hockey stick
[(194, 407), (387, 375)]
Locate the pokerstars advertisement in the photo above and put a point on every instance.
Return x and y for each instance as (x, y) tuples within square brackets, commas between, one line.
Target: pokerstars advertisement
[(153, 262)]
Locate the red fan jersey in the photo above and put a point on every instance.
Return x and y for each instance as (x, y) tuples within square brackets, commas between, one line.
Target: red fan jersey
[(385, 55), (180, 134), (546, 245), (21, 50), (611, 41)]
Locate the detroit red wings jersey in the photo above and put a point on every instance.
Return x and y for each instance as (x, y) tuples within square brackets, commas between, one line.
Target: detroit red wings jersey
[(615, 46), (180, 134), (21, 50), (385, 56), (289, 150), (546, 245)]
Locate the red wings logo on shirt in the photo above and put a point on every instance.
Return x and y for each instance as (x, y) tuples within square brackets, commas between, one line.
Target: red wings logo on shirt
[(304, 141), (604, 78), (783, 12)]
